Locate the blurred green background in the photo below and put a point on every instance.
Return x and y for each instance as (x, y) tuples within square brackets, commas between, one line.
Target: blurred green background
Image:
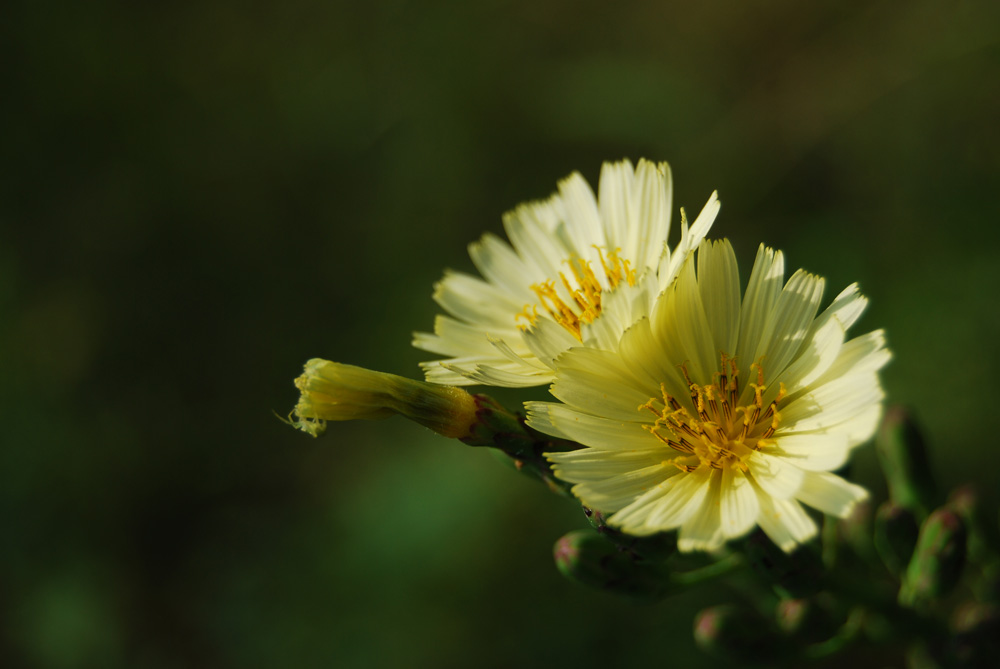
[(195, 199)]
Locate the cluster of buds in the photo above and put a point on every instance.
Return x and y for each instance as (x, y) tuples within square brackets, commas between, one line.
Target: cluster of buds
[(916, 577)]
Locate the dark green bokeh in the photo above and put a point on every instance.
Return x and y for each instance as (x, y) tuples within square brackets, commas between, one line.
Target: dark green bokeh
[(197, 199)]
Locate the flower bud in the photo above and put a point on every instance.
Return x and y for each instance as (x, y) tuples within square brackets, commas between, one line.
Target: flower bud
[(896, 531), (904, 460), (587, 558), (965, 501), (810, 620), (333, 391), (938, 560), (737, 634)]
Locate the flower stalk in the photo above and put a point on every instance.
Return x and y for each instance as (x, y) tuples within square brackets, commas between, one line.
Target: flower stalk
[(331, 391), (697, 424)]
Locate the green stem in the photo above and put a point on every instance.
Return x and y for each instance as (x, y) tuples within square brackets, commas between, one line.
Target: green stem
[(496, 427), (829, 540), (844, 636), (718, 569)]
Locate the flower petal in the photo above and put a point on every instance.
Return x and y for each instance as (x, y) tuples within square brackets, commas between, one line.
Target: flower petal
[(491, 371), (455, 338), (789, 321), (719, 284), (830, 494), (680, 324), (813, 452), (762, 293), (703, 530), (670, 263), (586, 233), (832, 403), (775, 475), (589, 465), (531, 229), (547, 340), (561, 421), (738, 505), (615, 492), (597, 383), (502, 266), (652, 197), (681, 502), (615, 202), (473, 300), (784, 521)]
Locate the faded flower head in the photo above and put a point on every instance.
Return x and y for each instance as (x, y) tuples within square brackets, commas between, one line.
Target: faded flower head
[(334, 391), (572, 260), (716, 414)]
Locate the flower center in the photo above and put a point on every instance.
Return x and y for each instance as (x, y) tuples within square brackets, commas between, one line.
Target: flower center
[(719, 432), (576, 299)]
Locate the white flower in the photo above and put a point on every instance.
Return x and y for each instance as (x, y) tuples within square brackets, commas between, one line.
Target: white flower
[(568, 263), (716, 414)]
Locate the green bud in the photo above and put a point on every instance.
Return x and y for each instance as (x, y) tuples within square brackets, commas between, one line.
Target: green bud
[(896, 531), (983, 543), (938, 559), (905, 464), (809, 620), (654, 548), (587, 558), (737, 634), (792, 575), (964, 500)]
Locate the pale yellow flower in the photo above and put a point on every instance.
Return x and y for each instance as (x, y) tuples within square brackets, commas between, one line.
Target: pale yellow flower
[(566, 268), (716, 414)]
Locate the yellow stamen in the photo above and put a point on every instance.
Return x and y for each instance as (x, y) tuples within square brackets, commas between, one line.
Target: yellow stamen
[(528, 313), (583, 290), (712, 427)]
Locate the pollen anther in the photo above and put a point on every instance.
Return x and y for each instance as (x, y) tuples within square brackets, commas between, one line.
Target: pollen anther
[(576, 299), (712, 427)]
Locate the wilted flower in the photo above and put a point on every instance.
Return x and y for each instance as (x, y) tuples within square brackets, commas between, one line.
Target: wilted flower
[(715, 414), (334, 391), (569, 261)]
